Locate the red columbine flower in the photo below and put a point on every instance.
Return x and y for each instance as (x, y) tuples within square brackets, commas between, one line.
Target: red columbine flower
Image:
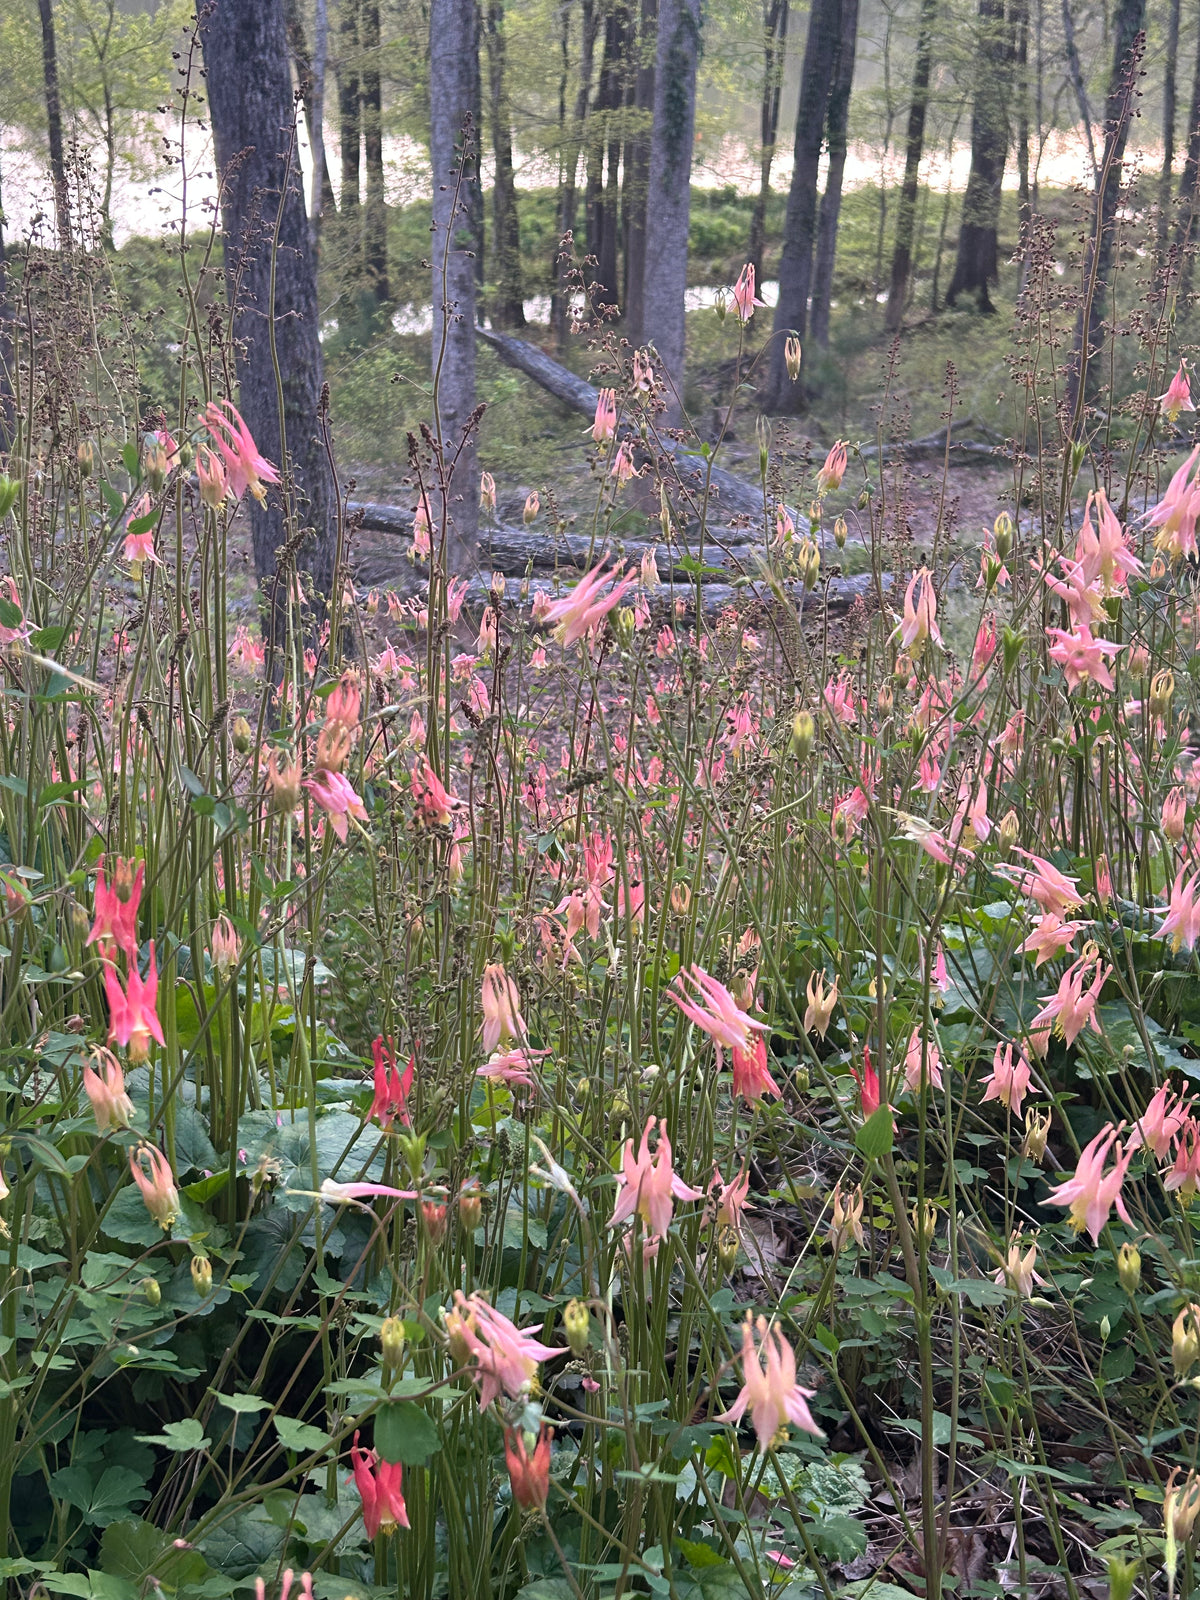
[(335, 795), (105, 1090), (582, 611), (1178, 396), (743, 294), (133, 1019), (391, 1087), (116, 909), (434, 805), (649, 1184), (833, 470), (378, 1483), (505, 1357), (246, 468), (751, 1077), (528, 1474), (500, 1003), (715, 1010), (868, 1085), (605, 425)]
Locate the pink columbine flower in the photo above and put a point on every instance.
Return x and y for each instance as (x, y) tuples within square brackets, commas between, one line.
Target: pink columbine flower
[(391, 1086), (434, 805), (334, 794), (715, 1010), (341, 1194), (1090, 1194), (919, 622), (649, 1185), (245, 467), (1082, 656), (821, 1002), (751, 1077), (1184, 1176), (512, 1067), (1161, 1122), (833, 470), (922, 1063), (111, 1106), (133, 1020), (771, 1394), (1178, 396), (584, 609), (1043, 882), (1181, 925), (1008, 1080), (743, 293), (605, 425), (505, 1357), (379, 1487), (501, 1005), (116, 908), (1070, 1010), (157, 1185), (1050, 937), (1175, 514), (1174, 815)]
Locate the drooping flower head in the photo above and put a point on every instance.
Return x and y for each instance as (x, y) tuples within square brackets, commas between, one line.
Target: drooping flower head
[(1090, 1193), (246, 469), (132, 1015), (649, 1185), (379, 1486), (769, 1391)]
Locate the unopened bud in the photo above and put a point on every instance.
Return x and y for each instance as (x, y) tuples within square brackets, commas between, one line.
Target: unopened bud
[(9, 489), (532, 506), (840, 533), (1010, 828), (1162, 691), (152, 1291), (470, 1205), (1002, 532), (1129, 1267), (391, 1342), (202, 1275), (885, 700), (412, 1148), (185, 455), (1012, 647), (1037, 1131), (721, 305), (792, 355), (1185, 1340), (681, 899), (1105, 1329), (903, 670), (577, 1326), (1122, 1575), (433, 1214), (1158, 569), (762, 429), (804, 731), (243, 735), (864, 497), (85, 458), (728, 1246)]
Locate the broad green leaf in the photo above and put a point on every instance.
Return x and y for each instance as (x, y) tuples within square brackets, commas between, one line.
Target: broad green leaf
[(179, 1436), (243, 1404), (874, 1138), (403, 1432), (302, 1436)]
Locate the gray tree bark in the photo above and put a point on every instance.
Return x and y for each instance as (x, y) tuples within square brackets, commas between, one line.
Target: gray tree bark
[(800, 227), (637, 171), (273, 292), (375, 210), (453, 92), (572, 145), (508, 308), (831, 200), (310, 74), (350, 126), (914, 149), (668, 195), (977, 263), (58, 169), (775, 30), (1170, 110)]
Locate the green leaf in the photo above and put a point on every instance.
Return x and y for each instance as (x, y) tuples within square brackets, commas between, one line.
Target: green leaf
[(129, 455), (303, 1437), (47, 640), (719, 1457), (191, 782), (874, 1138), (57, 791), (242, 1404), (10, 613), (102, 1500), (179, 1436), (143, 524), (112, 497), (403, 1432), (546, 1589)]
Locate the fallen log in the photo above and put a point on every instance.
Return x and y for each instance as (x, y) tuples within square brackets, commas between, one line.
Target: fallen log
[(513, 550), (734, 493)]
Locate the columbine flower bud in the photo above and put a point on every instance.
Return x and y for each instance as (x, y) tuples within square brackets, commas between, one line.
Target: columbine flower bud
[(1129, 1267), (391, 1342), (864, 497), (1185, 1340), (1010, 828), (1158, 569), (1012, 647), (681, 899), (728, 1245), (433, 1214), (152, 1291), (721, 305), (9, 489), (792, 356), (840, 533), (762, 429), (470, 1205), (885, 700), (1162, 690), (242, 735), (1037, 1129), (487, 494), (576, 1326), (154, 465), (1122, 1575), (85, 458), (202, 1275), (532, 506), (804, 731), (903, 671), (1002, 533)]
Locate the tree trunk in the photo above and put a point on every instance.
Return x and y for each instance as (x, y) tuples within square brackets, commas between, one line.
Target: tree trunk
[(1075, 73), (453, 92), (350, 126), (978, 261), (7, 409), (669, 191), (1170, 106), (831, 200), (375, 210), (775, 27), (800, 227), (1024, 197), (250, 101), (58, 168), (310, 77), (1128, 46), (603, 140), (622, 73), (637, 172), (566, 217), (1189, 186), (914, 149), (508, 308)]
